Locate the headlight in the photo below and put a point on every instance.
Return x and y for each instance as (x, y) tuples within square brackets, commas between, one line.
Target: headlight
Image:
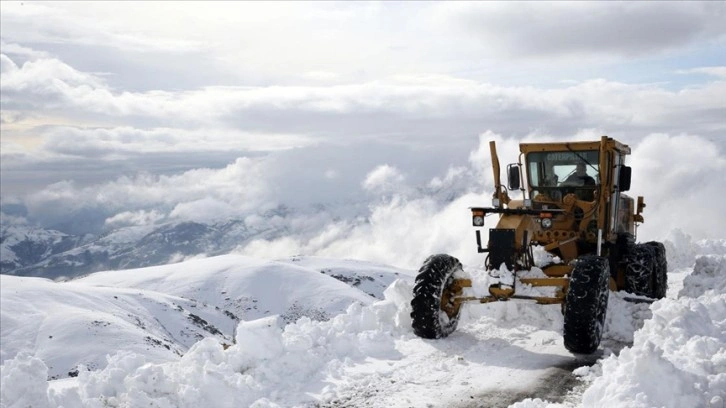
[(495, 203), (546, 223), (478, 221), (527, 203)]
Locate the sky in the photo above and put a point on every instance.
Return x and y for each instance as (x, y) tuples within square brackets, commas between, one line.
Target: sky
[(145, 111)]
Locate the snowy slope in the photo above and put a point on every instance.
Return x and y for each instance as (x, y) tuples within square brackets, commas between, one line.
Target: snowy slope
[(247, 287), (22, 245), (68, 324), (159, 310), (670, 353)]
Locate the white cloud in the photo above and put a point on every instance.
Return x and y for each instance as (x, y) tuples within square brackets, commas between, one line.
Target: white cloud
[(204, 210), (719, 72), (417, 104), (17, 49), (292, 43), (322, 76), (134, 218), (383, 178), (240, 187), (682, 178), (125, 141), (46, 76), (79, 24), (7, 65), (595, 29)]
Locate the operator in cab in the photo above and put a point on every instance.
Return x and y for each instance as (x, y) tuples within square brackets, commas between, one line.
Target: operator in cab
[(580, 177)]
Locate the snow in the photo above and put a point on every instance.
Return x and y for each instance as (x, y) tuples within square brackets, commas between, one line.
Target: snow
[(671, 353), (684, 343), (249, 288), (159, 312), (69, 324), (17, 234)]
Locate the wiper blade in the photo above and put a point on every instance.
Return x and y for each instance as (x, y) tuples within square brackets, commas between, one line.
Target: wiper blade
[(567, 145)]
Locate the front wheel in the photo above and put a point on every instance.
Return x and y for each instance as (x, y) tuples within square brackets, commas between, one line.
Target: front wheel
[(586, 303), (435, 314)]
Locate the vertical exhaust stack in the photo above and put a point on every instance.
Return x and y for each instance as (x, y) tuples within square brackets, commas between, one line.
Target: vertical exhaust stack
[(501, 196)]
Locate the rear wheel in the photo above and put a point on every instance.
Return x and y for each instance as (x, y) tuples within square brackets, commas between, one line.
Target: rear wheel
[(586, 304), (640, 270), (660, 270), (434, 312)]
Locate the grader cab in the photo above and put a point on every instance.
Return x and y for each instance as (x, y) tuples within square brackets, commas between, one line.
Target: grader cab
[(574, 206)]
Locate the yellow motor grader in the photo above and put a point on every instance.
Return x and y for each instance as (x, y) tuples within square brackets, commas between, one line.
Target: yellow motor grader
[(573, 205)]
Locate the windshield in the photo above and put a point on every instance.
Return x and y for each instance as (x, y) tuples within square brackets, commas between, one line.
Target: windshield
[(567, 168)]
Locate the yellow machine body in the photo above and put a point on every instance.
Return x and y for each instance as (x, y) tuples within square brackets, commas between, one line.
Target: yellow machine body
[(567, 221)]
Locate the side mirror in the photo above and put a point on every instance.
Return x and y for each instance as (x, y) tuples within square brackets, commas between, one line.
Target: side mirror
[(513, 176), (624, 179)]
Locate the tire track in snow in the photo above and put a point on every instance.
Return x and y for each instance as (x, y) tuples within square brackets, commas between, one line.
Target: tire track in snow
[(557, 385)]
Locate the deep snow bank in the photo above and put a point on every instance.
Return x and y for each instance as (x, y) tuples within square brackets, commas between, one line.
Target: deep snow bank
[(678, 358), (270, 365), (682, 250)]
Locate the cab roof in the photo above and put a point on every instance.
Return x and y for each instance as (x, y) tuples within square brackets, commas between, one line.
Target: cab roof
[(608, 142)]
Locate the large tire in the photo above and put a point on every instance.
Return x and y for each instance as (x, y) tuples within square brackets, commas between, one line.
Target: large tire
[(586, 304), (640, 270), (434, 313), (624, 244), (660, 269)]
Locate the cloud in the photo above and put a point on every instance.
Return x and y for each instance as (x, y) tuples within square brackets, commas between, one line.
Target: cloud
[(322, 76), (326, 177), (133, 218), (405, 219), (46, 76), (682, 178), (126, 141), (420, 106), (590, 28), (7, 65), (719, 72), (21, 51), (78, 24), (306, 145), (150, 46), (205, 210), (240, 185), (383, 178)]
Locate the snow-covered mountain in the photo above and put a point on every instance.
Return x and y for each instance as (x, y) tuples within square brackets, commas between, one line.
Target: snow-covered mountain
[(22, 245), (33, 251), (317, 332)]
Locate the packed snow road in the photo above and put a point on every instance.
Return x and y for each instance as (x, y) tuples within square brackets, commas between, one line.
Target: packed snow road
[(501, 353)]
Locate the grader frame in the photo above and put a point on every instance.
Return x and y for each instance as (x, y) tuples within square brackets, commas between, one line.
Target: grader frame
[(586, 222)]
